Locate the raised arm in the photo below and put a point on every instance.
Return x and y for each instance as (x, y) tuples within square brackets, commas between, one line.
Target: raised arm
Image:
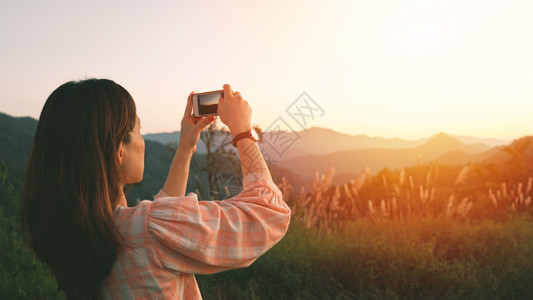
[(191, 236), (236, 113), (191, 127)]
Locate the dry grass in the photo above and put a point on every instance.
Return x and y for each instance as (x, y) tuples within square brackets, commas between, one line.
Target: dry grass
[(518, 198), (403, 198)]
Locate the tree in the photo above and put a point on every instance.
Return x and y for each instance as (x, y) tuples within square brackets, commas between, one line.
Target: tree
[(222, 163)]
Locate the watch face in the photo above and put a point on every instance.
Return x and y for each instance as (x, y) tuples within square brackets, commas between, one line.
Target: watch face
[(254, 134)]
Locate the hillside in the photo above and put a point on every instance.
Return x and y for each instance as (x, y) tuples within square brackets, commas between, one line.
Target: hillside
[(510, 163), (460, 158), (314, 141), (16, 138), (321, 141), (352, 161), (174, 137), (164, 137)]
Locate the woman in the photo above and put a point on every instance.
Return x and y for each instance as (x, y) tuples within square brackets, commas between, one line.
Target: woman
[(87, 146)]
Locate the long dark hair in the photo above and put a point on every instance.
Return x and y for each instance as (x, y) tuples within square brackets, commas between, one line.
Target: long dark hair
[(73, 183)]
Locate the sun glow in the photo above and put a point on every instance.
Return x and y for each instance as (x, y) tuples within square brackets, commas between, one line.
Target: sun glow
[(382, 68)]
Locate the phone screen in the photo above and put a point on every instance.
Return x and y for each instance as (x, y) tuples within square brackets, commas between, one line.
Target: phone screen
[(208, 103)]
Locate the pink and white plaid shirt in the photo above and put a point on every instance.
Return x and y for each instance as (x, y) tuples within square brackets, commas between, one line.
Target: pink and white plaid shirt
[(177, 237)]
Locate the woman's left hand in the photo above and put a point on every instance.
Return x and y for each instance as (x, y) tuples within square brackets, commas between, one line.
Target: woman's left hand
[(191, 127)]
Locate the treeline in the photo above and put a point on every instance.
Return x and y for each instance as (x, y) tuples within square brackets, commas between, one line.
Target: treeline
[(22, 275)]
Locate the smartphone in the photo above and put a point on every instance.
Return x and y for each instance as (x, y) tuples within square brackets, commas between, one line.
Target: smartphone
[(206, 104)]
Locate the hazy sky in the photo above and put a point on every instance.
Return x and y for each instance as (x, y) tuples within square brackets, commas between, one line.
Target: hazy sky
[(382, 68)]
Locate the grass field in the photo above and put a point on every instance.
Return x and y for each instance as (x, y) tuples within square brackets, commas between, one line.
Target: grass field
[(422, 233), (397, 235), (427, 259)]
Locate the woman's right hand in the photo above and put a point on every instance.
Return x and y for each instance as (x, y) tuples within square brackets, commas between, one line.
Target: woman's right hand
[(191, 128), (234, 111)]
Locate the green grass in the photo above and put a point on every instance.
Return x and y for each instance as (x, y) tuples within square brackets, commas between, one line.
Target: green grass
[(427, 259)]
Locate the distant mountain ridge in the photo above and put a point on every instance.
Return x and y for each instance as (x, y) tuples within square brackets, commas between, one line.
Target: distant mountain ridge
[(173, 138), (321, 141), (352, 161), (316, 149), (163, 137)]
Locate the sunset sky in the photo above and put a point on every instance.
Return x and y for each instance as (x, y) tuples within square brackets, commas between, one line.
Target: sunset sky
[(405, 69)]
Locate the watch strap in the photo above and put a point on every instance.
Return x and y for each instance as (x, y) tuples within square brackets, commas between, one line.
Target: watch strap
[(242, 135)]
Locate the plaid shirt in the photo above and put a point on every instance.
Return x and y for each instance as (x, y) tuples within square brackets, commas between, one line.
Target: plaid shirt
[(174, 238)]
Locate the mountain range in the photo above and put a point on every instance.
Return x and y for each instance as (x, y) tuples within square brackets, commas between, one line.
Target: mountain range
[(348, 164), (314, 150), (319, 149), (320, 141)]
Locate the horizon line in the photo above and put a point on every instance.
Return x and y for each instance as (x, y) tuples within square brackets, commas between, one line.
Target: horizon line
[(506, 139), (509, 139)]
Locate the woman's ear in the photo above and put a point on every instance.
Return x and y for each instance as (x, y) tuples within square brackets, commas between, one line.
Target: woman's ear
[(120, 153)]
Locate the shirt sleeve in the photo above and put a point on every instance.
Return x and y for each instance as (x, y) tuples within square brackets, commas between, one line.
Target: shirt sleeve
[(203, 237)]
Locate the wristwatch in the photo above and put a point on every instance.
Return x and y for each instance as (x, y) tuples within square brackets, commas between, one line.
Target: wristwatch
[(252, 134)]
